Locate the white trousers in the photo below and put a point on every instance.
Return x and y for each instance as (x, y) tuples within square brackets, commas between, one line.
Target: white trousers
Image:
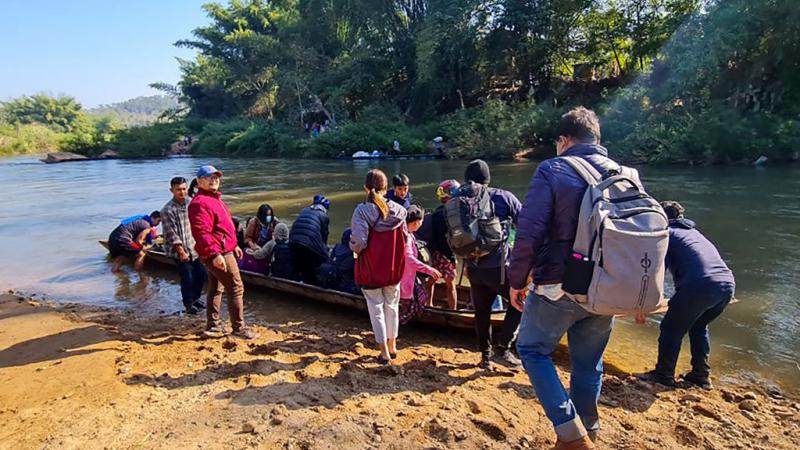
[(383, 305)]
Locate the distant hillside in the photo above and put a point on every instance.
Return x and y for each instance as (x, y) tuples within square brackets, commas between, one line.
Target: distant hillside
[(137, 111)]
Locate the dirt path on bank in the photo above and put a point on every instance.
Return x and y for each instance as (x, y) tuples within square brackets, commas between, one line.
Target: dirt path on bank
[(78, 377)]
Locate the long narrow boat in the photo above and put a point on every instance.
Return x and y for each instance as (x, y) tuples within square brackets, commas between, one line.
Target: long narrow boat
[(431, 315)]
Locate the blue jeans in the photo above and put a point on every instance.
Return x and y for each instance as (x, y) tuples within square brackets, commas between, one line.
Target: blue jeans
[(691, 309), (193, 278), (544, 323)]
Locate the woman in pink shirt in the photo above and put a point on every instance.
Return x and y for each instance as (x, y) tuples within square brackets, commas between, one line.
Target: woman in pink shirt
[(410, 306)]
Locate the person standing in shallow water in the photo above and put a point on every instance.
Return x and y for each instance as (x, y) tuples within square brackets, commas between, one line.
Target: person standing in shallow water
[(179, 245), (216, 244), (378, 238), (704, 286)]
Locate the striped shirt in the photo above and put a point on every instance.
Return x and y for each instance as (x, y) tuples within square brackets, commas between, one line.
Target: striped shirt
[(176, 229)]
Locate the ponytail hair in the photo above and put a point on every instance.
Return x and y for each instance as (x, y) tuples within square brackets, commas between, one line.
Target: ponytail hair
[(375, 183)]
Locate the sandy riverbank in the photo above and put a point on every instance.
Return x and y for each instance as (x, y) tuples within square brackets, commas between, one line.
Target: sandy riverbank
[(78, 377)]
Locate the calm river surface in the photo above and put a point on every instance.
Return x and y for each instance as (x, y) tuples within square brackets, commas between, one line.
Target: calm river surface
[(53, 215)]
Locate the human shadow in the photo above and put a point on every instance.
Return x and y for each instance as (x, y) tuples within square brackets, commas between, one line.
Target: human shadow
[(354, 378), (616, 393), (55, 346)]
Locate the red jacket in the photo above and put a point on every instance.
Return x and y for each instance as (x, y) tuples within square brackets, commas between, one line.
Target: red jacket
[(212, 225)]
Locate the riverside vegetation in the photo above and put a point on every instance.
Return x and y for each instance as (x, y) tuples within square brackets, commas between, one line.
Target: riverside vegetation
[(675, 81)]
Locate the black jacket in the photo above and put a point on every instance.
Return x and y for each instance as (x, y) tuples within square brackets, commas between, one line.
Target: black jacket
[(311, 230)]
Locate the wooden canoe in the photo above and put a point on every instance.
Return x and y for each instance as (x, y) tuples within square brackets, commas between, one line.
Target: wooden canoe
[(431, 315)]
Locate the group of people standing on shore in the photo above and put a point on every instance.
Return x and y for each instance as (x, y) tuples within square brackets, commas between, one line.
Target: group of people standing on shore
[(537, 274)]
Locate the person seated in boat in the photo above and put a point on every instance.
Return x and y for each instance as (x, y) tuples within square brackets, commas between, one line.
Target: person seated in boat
[(704, 286), (400, 191), (259, 260), (413, 298), (281, 259), (339, 272), (260, 228), (128, 239), (442, 258), (308, 239)]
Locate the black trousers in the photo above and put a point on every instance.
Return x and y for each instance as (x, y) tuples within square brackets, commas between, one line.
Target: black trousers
[(305, 263), (484, 287), (193, 278)]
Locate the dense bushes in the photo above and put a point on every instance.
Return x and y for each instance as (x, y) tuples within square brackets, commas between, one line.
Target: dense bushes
[(29, 138), (152, 140)]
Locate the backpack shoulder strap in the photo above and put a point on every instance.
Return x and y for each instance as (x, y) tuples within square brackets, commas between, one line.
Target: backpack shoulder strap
[(584, 169)]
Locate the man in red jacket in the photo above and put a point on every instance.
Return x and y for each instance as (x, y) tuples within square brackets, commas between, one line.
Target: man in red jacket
[(215, 243)]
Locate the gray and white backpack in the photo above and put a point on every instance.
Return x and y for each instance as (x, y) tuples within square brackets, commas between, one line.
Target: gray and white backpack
[(617, 263)]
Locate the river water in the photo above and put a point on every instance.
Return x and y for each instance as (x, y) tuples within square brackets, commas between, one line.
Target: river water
[(53, 215)]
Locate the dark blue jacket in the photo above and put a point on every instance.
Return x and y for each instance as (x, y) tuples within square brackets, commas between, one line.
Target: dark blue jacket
[(506, 208), (281, 266), (691, 256), (546, 225), (310, 230), (405, 202)]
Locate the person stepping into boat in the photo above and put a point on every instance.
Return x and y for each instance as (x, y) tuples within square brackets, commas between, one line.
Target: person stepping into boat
[(179, 245), (216, 245), (412, 304), (704, 286), (487, 271), (379, 238)]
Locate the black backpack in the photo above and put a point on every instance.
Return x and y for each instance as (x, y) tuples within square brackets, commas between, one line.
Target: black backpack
[(473, 228)]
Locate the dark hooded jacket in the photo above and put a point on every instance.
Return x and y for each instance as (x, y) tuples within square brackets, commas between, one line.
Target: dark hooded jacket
[(692, 257), (310, 230), (549, 217)]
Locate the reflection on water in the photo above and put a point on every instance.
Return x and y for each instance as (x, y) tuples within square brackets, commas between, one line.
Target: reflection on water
[(53, 215)]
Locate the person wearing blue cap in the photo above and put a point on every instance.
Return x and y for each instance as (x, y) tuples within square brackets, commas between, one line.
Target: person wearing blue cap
[(217, 246), (308, 239)]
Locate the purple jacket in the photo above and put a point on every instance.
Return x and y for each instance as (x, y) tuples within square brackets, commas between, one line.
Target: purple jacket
[(546, 225)]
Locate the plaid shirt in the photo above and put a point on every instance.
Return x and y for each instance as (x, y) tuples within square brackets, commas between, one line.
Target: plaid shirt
[(176, 229)]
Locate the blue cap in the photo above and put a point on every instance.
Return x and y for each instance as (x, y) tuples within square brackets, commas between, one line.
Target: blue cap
[(320, 199), (207, 171)]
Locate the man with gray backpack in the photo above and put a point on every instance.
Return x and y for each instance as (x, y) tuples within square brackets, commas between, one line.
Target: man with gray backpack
[(478, 221), (594, 243)]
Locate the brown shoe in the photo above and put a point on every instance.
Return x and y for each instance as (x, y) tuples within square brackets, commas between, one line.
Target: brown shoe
[(245, 333), (583, 443)]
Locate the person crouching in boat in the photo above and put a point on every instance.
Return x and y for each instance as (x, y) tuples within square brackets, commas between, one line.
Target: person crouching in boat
[(215, 242), (128, 239), (704, 286), (179, 245), (379, 239), (413, 297), (308, 239)]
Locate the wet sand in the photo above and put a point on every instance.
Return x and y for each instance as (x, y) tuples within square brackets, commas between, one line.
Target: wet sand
[(80, 377)]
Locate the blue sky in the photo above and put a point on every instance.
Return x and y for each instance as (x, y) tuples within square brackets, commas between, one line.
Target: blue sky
[(99, 51)]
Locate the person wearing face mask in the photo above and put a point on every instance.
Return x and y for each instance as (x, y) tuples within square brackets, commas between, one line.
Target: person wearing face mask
[(261, 228)]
